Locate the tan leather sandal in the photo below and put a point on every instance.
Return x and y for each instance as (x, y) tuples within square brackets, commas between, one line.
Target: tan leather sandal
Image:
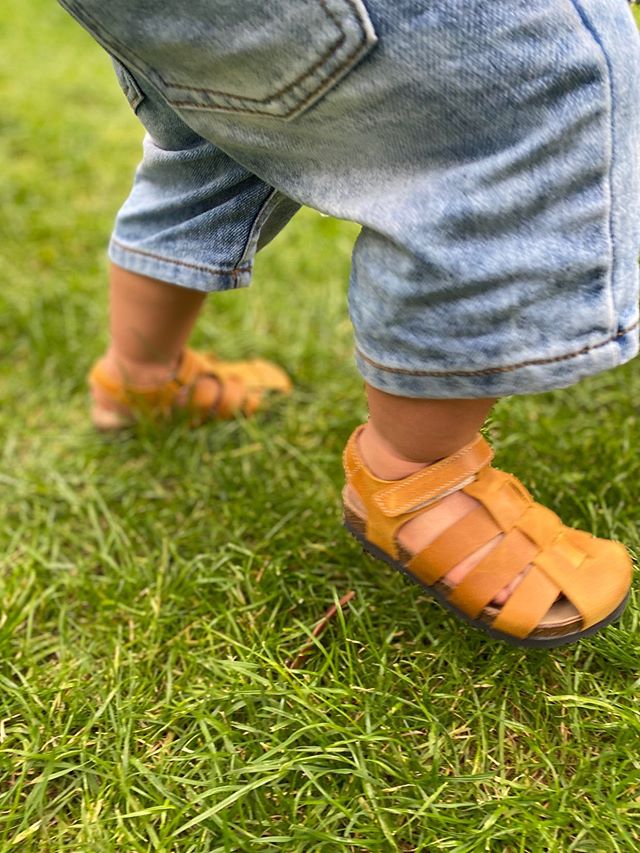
[(241, 386), (575, 586)]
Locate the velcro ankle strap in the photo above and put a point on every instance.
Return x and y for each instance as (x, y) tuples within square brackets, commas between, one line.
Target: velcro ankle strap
[(434, 482)]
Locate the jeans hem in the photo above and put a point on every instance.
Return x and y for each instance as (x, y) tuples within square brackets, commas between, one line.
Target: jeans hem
[(175, 271), (527, 377)]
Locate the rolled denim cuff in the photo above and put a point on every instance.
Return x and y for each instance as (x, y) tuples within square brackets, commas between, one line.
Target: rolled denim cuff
[(534, 376), (189, 274)]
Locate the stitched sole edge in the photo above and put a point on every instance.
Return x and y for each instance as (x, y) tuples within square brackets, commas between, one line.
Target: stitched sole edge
[(543, 643)]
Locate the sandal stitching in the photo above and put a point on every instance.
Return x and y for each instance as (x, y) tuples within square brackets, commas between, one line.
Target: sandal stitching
[(392, 490), (402, 510)]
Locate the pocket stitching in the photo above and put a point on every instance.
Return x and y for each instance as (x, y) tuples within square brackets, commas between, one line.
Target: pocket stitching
[(297, 107), (132, 92), (308, 73)]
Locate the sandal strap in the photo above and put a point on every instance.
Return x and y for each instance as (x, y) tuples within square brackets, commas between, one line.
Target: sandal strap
[(225, 400), (233, 393), (391, 503), (507, 508), (595, 584), (240, 386), (593, 575), (527, 605), (399, 497), (233, 396), (564, 561), (191, 367), (157, 396), (435, 481)]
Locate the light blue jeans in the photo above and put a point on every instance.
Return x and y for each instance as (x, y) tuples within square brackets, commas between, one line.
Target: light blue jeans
[(490, 149)]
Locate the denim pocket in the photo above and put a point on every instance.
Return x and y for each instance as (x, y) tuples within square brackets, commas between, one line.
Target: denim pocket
[(255, 57), (128, 84)]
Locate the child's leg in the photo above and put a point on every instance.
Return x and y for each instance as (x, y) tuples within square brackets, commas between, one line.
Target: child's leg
[(406, 434), (497, 181), (191, 225), (149, 325), (148, 367), (420, 431)]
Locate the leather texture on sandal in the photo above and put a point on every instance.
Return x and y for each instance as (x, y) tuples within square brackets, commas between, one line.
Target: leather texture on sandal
[(240, 389), (576, 584)]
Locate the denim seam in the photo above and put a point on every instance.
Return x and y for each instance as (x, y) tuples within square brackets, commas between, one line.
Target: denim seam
[(492, 370), (197, 144), (258, 221), (201, 267), (133, 93), (99, 33), (586, 22)]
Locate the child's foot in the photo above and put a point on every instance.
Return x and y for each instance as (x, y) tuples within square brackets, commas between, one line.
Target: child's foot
[(573, 583), (206, 387), (421, 531)]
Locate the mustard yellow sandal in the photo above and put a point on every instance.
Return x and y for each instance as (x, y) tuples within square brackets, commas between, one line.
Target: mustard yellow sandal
[(575, 586), (240, 390)]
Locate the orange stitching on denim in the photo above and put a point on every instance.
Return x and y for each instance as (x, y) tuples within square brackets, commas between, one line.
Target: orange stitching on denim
[(492, 370), (200, 267)]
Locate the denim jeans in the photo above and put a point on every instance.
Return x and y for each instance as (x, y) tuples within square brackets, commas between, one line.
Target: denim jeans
[(490, 150)]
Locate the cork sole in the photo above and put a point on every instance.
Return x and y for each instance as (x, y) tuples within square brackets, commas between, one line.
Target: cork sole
[(549, 636)]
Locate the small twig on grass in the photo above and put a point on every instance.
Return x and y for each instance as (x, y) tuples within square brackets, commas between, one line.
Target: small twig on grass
[(320, 627)]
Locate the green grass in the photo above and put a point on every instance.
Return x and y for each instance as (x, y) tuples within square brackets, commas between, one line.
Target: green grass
[(153, 586)]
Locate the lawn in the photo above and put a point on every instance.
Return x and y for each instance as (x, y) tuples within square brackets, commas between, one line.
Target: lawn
[(154, 586)]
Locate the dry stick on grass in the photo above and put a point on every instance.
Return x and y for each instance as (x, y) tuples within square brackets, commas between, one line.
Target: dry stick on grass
[(320, 627)]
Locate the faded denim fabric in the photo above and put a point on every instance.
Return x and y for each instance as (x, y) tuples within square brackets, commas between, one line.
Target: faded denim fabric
[(489, 148)]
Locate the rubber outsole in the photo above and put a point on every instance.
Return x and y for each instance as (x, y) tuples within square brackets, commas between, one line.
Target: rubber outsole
[(543, 643)]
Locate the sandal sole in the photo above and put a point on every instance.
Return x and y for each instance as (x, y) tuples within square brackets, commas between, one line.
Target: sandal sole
[(542, 643)]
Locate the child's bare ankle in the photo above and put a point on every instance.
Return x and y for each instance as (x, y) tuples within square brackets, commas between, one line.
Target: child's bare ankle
[(382, 459), (138, 373), (404, 434)]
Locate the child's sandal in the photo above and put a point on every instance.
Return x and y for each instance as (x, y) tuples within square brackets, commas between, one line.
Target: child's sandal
[(239, 389), (576, 585)]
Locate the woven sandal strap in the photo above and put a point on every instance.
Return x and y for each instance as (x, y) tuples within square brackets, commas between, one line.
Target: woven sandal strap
[(434, 482), (527, 604)]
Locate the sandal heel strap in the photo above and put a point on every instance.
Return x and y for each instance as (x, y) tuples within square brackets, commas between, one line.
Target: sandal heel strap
[(126, 394), (399, 497), (190, 366), (436, 481)]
